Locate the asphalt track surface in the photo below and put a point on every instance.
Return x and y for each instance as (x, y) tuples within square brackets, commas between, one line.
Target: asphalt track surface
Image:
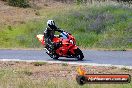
[(91, 56)]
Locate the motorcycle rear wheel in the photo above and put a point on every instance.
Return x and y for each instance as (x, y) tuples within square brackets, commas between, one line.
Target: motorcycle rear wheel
[(79, 54)]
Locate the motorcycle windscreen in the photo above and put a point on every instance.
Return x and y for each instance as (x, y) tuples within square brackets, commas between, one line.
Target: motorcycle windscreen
[(64, 35), (40, 37)]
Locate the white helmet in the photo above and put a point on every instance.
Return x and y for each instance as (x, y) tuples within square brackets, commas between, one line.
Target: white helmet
[(51, 24)]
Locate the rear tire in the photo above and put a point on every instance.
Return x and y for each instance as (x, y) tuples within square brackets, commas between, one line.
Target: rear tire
[(79, 54)]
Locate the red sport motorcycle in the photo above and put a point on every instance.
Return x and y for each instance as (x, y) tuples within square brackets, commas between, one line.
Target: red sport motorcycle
[(67, 46)]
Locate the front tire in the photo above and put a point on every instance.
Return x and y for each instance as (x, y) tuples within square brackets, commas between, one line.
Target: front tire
[(79, 55)]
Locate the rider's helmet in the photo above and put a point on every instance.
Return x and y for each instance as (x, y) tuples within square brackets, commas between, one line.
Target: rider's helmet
[(51, 24)]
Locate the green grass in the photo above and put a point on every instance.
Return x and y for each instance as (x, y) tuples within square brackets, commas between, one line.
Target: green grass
[(23, 35), (94, 26), (64, 64), (19, 3), (102, 27), (39, 63)]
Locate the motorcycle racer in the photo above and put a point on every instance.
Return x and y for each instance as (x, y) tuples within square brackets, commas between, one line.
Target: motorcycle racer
[(66, 43), (49, 35)]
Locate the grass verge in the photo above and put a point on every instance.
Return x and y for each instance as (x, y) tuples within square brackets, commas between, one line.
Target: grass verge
[(27, 75), (94, 26)]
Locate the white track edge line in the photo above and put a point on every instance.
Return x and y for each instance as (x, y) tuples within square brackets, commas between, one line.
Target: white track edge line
[(72, 63)]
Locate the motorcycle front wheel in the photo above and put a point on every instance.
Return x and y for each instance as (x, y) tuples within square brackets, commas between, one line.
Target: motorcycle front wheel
[(79, 55)]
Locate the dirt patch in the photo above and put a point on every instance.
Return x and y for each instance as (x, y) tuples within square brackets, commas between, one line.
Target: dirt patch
[(14, 15)]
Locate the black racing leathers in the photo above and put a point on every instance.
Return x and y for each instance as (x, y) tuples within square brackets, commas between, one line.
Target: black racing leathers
[(49, 35)]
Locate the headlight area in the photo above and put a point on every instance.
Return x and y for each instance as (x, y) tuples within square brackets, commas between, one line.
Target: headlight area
[(71, 41)]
